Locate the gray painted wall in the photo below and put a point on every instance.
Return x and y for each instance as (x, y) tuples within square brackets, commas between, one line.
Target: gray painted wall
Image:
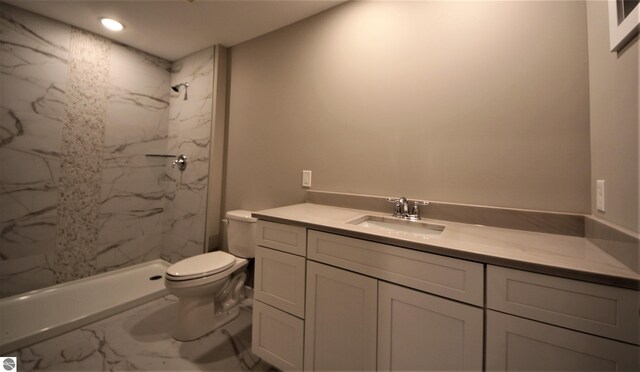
[(615, 122), (482, 103)]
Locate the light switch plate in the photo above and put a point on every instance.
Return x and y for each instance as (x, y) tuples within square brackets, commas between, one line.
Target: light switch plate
[(306, 178), (600, 195)]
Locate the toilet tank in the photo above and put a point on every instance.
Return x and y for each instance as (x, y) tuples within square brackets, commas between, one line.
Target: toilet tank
[(241, 233)]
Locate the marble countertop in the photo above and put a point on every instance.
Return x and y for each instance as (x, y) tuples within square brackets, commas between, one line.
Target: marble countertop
[(560, 255)]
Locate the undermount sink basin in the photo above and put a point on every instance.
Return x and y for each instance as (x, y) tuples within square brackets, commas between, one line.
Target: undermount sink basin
[(393, 225)]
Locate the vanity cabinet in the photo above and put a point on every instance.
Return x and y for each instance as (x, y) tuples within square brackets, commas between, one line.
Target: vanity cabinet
[(415, 330), (355, 322), (336, 294), (329, 302)]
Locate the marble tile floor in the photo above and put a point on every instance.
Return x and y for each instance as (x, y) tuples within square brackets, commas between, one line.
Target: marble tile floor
[(140, 339)]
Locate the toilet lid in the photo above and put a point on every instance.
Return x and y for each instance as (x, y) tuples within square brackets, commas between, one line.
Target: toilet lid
[(201, 265)]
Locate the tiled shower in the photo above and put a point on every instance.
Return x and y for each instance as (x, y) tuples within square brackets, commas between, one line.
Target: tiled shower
[(80, 114)]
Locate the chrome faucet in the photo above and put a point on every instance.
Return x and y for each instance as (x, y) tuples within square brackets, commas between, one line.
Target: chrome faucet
[(402, 208)]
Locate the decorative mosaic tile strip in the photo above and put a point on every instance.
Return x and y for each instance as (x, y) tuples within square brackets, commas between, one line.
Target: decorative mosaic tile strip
[(82, 142)]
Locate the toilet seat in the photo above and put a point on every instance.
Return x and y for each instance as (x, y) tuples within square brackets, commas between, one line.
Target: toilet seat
[(200, 266)]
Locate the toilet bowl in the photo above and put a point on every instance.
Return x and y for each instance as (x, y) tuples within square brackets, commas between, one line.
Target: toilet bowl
[(210, 286)]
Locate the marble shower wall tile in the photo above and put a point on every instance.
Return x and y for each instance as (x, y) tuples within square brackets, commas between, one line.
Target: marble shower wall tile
[(118, 207), (190, 134), (33, 75), (28, 220), (138, 106), (133, 185), (130, 223), (115, 220), (27, 273)]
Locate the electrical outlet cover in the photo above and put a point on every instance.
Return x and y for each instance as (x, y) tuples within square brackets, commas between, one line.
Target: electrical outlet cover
[(306, 178), (600, 195)]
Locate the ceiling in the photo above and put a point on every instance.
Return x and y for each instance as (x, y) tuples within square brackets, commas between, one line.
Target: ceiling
[(172, 29)]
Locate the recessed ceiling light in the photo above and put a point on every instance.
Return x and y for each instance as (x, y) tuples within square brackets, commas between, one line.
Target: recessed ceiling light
[(111, 24)]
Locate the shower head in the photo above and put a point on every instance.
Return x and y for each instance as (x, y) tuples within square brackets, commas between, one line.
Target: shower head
[(176, 88)]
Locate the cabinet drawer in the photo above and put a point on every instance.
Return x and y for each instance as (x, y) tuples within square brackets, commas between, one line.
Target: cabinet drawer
[(518, 344), (277, 337), (279, 280), (593, 308), (286, 238), (449, 277)]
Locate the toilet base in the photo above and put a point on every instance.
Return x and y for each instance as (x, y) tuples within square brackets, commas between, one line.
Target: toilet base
[(205, 312), (226, 317), (192, 326)]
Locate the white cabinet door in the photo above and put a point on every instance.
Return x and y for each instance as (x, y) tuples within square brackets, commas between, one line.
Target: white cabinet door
[(518, 344), (418, 331), (277, 337), (279, 280), (340, 321)]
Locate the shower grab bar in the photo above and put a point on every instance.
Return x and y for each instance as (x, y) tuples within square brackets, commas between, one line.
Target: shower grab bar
[(161, 155)]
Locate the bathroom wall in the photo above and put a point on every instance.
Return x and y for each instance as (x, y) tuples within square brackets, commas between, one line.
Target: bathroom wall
[(133, 185), (190, 134), (34, 66), (78, 113), (468, 102), (615, 121)]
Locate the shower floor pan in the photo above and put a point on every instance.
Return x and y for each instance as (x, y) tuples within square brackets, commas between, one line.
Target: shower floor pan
[(38, 315)]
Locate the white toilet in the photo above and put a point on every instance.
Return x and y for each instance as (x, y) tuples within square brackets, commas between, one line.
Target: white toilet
[(210, 286)]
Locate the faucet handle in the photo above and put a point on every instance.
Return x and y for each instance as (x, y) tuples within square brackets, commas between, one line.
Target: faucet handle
[(181, 162), (401, 199), (416, 205), (397, 201)]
